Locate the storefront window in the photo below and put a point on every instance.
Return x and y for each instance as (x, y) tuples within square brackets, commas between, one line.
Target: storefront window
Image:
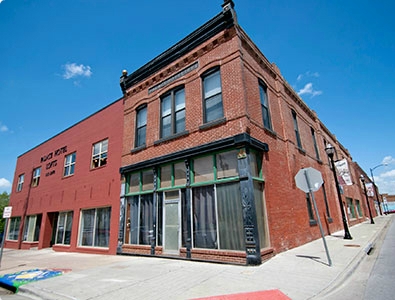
[(63, 229), (31, 231), (95, 227), (226, 164), (203, 169), (13, 228), (141, 219)]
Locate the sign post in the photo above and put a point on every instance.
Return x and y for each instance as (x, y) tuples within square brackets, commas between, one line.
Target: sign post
[(310, 180), (6, 215)]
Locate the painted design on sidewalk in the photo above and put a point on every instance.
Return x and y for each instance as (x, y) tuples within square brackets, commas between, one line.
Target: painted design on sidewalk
[(13, 281)]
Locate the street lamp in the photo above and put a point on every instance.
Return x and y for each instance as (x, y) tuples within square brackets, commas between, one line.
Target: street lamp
[(330, 151), (367, 199), (374, 185)]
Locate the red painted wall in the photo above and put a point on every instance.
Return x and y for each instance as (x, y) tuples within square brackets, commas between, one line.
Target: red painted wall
[(87, 188)]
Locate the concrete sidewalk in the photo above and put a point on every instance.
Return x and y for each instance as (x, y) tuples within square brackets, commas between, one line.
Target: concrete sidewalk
[(300, 273)]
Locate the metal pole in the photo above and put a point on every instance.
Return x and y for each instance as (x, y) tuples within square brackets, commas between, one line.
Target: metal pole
[(2, 241), (347, 234), (318, 217)]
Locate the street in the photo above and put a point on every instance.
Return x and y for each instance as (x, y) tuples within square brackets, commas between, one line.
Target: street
[(375, 276), (380, 284)]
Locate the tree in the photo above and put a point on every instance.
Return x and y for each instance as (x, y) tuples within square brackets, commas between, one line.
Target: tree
[(4, 201)]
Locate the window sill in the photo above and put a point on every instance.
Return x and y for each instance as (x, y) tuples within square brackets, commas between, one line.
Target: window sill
[(98, 168), (172, 137), (270, 132), (301, 151), (138, 149), (212, 124)]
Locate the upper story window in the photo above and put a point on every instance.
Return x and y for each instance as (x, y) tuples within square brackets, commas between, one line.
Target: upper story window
[(69, 164), (267, 123), (172, 113), (296, 128), (317, 154), (141, 126), (21, 179), (99, 154), (212, 96), (36, 176)]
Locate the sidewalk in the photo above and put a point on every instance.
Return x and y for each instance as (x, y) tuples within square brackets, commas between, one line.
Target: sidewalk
[(300, 273)]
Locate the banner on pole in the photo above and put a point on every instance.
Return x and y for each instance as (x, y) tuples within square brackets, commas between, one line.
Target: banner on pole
[(344, 172), (369, 189)]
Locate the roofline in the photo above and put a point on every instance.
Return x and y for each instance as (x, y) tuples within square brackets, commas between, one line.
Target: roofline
[(222, 21), (68, 128)]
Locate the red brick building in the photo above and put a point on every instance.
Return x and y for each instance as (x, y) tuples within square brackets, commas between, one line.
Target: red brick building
[(66, 191), (207, 138), (213, 138)]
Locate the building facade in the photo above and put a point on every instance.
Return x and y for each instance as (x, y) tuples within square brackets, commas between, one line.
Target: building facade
[(66, 190), (213, 138), (207, 140)]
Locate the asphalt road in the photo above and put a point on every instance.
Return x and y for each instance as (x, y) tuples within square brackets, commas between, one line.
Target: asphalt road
[(375, 276), (381, 281)]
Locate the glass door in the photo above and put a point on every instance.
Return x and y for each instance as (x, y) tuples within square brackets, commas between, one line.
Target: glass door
[(171, 220)]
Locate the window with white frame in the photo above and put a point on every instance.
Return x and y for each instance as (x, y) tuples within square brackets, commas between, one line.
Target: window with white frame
[(13, 228), (173, 112), (95, 227), (141, 126), (36, 176), (63, 228), (99, 154), (69, 164), (212, 95), (21, 179), (31, 232)]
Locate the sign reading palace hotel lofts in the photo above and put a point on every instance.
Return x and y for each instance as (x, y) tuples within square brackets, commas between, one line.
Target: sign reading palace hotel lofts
[(52, 163)]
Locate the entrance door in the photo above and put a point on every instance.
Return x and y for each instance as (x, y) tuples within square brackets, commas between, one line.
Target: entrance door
[(171, 220)]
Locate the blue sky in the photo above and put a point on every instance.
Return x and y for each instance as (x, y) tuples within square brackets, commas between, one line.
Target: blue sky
[(60, 61)]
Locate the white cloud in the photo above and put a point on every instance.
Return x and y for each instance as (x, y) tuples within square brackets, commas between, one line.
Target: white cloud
[(386, 182), (4, 183), (3, 128), (72, 70), (309, 90), (308, 74), (388, 160), (1, 1)]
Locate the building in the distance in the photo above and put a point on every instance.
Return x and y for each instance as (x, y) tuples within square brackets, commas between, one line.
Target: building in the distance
[(66, 191), (207, 138)]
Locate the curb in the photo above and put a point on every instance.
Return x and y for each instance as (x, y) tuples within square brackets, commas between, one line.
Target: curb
[(36, 293)]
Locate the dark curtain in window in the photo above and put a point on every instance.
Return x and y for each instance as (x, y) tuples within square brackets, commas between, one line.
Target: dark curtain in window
[(230, 217), (204, 218), (102, 228), (159, 218), (260, 214), (134, 219), (37, 228), (146, 219)]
